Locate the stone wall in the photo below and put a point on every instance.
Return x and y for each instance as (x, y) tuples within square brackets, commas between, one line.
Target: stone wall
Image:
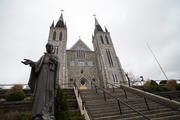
[(86, 73)]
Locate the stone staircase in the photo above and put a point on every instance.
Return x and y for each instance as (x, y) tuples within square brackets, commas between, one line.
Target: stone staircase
[(71, 99), (109, 110)]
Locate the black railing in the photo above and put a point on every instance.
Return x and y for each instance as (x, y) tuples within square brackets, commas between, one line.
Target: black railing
[(118, 100), (84, 105), (145, 99)]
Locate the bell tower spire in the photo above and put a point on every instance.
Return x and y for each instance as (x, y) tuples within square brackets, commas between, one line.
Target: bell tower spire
[(61, 22), (97, 25), (109, 67), (58, 38)]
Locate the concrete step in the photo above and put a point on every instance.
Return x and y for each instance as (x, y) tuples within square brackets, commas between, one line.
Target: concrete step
[(69, 92), (124, 111), (114, 104), (136, 116), (131, 113), (172, 117), (109, 110)]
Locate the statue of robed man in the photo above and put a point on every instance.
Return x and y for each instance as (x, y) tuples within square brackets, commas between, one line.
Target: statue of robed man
[(43, 82)]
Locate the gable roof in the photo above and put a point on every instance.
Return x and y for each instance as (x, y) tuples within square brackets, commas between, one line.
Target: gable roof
[(80, 44)]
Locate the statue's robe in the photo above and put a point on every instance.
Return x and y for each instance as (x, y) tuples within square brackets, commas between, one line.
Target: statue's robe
[(43, 83)]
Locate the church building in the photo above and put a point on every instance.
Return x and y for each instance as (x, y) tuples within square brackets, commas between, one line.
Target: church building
[(82, 65)]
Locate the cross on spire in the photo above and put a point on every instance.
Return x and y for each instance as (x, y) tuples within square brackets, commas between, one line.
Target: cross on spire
[(61, 17), (79, 37), (62, 10), (60, 22), (97, 25)]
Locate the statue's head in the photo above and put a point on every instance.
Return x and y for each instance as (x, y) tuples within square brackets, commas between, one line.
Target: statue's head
[(49, 48)]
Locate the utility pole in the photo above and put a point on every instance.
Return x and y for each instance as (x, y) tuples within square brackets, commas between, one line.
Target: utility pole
[(157, 61)]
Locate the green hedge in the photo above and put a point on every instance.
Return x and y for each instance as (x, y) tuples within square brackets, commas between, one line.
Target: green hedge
[(155, 87), (77, 117), (162, 89), (24, 116), (178, 87), (163, 82), (16, 95), (61, 108)]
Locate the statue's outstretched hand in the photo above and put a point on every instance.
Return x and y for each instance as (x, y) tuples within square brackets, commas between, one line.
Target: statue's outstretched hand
[(27, 62)]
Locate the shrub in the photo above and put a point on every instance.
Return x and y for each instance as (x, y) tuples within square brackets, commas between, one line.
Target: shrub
[(163, 82), (171, 84), (15, 88), (178, 87), (153, 85), (70, 97), (76, 116), (24, 116), (162, 89), (8, 115), (147, 83), (17, 95), (61, 106), (80, 117)]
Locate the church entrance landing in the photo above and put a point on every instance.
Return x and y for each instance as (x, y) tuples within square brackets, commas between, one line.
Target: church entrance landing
[(83, 84)]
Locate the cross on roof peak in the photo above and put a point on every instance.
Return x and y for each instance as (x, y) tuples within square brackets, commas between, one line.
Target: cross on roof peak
[(62, 10)]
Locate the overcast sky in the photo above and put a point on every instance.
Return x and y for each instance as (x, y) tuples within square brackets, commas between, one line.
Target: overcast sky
[(24, 30)]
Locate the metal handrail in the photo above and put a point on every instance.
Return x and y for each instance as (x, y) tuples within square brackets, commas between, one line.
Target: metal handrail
[(145, 99), (84, 105), (119, 101)]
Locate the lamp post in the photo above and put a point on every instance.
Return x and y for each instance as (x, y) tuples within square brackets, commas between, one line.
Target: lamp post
[(142, 79), (128, 79)]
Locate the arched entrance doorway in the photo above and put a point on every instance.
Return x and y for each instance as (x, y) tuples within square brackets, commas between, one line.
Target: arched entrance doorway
[(83, 84)]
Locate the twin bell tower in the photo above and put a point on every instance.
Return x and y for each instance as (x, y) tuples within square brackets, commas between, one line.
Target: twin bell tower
[(82, 65)]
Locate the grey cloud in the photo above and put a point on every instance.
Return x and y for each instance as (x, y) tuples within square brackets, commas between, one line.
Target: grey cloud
[(25, 28)]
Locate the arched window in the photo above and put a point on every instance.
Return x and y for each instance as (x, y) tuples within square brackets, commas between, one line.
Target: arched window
[(80, 53), (107, 41), (115, 77), (102, 39), (60, 36), (54, 35), (109, 57)]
